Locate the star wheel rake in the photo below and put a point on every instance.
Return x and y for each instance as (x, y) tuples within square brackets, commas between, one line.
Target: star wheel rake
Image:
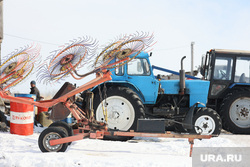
[(68, 60), (126, 47), (18, 65)]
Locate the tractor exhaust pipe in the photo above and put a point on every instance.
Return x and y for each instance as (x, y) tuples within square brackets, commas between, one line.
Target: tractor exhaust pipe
[(182, 78)]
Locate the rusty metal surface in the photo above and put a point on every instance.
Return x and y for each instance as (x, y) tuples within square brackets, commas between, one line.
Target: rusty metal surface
[(167, 134), (69, 139), (60, 111), (106, 76), (99, 134)]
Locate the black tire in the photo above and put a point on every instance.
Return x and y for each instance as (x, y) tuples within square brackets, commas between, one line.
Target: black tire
[(64, 126), (3, 118), (206, 121), (235, 111), (3, 122), (121, 120), (47, 135)]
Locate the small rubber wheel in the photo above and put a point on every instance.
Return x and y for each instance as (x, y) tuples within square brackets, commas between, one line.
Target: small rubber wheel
[(63, 126), (206, 121), (48, 134)]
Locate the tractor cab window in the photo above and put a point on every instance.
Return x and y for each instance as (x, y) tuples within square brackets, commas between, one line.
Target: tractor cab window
[(206, 66), (138, 67), (223, 68), (242, 70)]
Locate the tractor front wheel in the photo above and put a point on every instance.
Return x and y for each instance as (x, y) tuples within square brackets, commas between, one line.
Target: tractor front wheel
[(206, 121)]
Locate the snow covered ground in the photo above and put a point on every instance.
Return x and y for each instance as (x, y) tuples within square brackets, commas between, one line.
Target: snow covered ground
[(23, 151)]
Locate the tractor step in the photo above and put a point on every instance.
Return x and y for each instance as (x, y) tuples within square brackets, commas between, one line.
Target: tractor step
[(151, 125)]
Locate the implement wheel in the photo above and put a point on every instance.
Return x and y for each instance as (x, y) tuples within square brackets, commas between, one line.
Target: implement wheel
[(63, 126), (51, 134)]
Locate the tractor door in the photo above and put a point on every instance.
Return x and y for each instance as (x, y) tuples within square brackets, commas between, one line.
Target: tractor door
[(140, 74), (220, 74)]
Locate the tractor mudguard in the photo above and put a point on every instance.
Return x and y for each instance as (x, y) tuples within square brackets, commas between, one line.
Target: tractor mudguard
[(188, 121)]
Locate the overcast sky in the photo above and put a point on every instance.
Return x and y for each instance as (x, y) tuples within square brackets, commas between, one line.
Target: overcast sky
[(223, 24)]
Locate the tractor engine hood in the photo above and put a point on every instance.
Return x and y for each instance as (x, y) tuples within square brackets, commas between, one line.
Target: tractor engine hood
[(197, 89)]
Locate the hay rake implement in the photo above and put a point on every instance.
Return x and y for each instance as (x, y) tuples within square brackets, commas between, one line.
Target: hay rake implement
[(55, 139), (64, 63)]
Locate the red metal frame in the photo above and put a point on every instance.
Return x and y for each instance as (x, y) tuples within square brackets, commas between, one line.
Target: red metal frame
[(101, 77), (99, 134)]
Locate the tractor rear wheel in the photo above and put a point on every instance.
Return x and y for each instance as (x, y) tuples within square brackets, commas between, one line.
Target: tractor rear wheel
[(124, 107), (235, 112), (206, 121)]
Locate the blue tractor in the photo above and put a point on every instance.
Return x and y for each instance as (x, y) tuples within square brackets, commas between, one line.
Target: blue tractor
[(135, 93)]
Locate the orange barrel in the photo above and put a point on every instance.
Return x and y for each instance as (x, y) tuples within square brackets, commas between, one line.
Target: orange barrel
[(21, 118), (41, 109)]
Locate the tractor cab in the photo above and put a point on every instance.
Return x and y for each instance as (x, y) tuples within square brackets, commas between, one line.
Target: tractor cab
[(138, 75), (225, 69)]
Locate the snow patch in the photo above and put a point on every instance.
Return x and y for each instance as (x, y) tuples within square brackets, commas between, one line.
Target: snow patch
[(23, 151)]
